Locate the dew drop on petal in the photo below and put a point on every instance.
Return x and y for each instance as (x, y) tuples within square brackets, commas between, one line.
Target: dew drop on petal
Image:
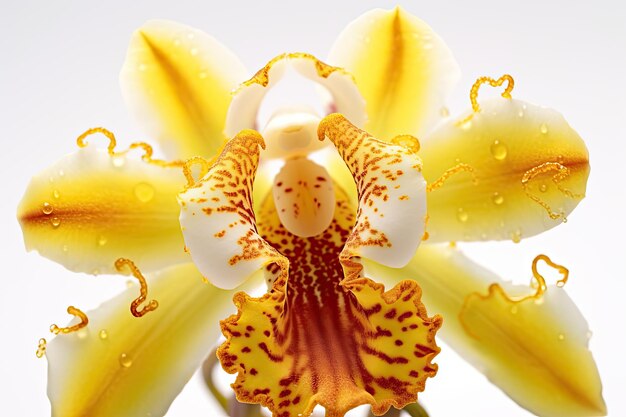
[(103, 334), (64, 248), (461, 215), (498, 150), (516, 236), (514, 310), (55, 221), (543, 188), (561, 336), (118, 161), (144, 192), (47, 208), (497, 198), (56, 194), (102, 240), (543, 128), (125, 360)]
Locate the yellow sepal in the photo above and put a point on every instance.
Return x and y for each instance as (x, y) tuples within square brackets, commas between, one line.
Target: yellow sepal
[(177, 81), (91, 208), (506, 172)]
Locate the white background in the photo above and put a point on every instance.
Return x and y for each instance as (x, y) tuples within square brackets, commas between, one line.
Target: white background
[(59, 76)]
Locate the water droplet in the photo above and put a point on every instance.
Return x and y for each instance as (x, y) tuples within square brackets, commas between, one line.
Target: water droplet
[(125, 360), (543, 188), (461, 215), (498, 150), (142, 67), (561, 336), (118, 161), (194, 51), (543, 128), (144, 192), (497, 198), (65, 248), (103, 334), (444, 112), (56, 194), (102, 240), (55, 221), (514, 310), (47, 208), (516, 236)]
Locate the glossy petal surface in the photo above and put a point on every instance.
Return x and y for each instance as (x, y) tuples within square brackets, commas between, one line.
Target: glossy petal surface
[(177, 81), (91, 208), (529, 170), (120, 365), (534, 348), (402, 68)]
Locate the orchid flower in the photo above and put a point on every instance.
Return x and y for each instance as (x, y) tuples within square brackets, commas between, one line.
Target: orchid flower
[(354, 196)]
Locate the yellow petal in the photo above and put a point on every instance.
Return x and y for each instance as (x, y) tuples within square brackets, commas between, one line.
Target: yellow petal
[(177, 80), (535, 348), (218, 220), (247, 100), (317, 338), (391, 189), (91, 208), (120, 365), (402, 68), (525, 170)]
